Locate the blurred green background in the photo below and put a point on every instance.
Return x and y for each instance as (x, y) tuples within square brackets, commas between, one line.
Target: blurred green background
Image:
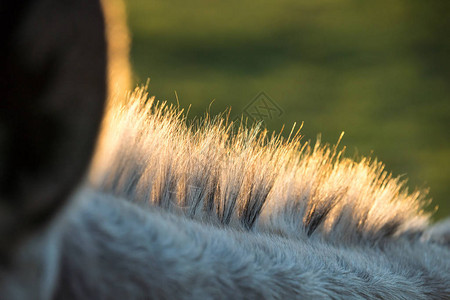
[(378, 70)]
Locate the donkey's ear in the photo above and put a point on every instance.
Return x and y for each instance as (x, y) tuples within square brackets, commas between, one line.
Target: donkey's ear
[(52, 91)]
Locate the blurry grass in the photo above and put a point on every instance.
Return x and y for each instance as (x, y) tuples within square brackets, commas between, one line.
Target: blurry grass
[(378, 70)]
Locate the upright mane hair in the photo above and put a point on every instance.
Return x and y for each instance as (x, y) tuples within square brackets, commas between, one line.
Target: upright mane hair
[(245, 179), (156, 207)]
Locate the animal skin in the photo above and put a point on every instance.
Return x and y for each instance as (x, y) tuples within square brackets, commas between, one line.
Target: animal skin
[(166, 210)]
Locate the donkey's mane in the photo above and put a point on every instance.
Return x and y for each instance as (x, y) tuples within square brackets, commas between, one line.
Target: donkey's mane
[(227, 175)]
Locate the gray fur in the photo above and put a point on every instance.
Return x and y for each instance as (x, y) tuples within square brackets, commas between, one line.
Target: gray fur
[(205, 211), (152, 254)]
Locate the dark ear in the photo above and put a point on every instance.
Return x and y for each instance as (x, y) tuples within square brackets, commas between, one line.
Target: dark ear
[(52, 91)]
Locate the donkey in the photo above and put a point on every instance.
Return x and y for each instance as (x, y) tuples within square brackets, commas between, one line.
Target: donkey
[(166, 210)]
